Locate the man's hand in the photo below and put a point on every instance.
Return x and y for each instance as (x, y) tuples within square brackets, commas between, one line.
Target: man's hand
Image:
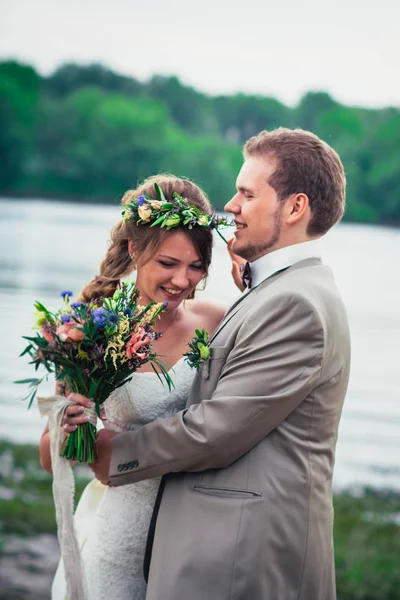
[(237, 261), (101, 466)]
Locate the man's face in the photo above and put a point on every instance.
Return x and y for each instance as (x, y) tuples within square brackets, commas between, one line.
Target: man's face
[(257, 210)]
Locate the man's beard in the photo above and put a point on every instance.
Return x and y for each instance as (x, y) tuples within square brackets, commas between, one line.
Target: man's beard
[(252, 252)]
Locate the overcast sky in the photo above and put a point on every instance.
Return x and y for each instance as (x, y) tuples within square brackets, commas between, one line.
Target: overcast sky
[(282, 48)]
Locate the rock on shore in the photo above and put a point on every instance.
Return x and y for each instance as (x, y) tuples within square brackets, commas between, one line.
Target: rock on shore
[(27, 566)]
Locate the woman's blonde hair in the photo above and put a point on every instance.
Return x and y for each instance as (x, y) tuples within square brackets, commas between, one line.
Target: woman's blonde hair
[(118, 263)]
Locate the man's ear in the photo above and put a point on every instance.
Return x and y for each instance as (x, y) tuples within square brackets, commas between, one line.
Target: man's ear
[(297, 207)]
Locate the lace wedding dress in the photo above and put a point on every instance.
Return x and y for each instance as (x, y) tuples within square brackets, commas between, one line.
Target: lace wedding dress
[(112, 522)]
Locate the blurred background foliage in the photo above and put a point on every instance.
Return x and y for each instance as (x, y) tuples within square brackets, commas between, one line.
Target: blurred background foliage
[(88, 133)]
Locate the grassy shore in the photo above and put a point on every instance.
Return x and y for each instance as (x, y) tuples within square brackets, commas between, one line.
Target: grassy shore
[(367, 531)]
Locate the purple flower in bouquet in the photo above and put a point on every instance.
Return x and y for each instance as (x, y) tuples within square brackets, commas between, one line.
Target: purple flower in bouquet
[(77, 304), (100, 316)]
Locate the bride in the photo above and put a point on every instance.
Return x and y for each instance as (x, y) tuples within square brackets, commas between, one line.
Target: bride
[(112, 523)]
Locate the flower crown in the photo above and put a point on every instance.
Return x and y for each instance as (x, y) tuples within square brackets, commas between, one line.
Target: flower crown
[(169, 213)]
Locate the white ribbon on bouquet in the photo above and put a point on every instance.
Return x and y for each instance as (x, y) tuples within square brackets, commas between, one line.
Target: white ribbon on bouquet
[(63, 492)]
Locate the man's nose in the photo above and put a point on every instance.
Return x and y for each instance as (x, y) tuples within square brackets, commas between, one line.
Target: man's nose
[(233, 205)]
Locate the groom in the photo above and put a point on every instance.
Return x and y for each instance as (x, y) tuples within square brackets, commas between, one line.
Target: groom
[(246, 511)]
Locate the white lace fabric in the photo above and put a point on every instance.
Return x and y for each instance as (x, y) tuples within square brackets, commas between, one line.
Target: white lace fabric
[(113, 523)]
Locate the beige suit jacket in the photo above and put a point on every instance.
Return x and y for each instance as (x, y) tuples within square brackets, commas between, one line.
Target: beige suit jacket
[(247, 508)]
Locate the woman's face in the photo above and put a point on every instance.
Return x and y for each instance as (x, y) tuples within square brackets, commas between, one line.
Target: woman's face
[(173, 272)]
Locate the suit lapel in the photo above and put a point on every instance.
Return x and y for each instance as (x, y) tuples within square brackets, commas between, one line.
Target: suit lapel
[(238, 304), (231, 312)]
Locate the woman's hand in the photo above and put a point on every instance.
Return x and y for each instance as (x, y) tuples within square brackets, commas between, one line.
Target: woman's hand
[(237, 262), (73, 415)]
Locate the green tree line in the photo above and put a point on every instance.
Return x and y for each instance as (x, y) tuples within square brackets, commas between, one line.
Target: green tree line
[(88, 133)]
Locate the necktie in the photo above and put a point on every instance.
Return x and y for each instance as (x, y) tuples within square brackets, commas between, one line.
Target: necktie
[(246, 275)]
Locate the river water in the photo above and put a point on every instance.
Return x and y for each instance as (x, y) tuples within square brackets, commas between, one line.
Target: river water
[(48, 246)]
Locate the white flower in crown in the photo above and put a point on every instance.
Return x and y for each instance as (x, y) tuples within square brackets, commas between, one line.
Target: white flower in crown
[(145, 212), (203, 220), (156, 204)]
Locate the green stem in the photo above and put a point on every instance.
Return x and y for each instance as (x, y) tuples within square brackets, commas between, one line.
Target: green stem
[(221, 236), (80, 444)]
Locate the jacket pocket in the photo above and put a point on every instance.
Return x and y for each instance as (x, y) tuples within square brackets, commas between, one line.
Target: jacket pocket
[(225, 492), (218, 352), (218, 356)]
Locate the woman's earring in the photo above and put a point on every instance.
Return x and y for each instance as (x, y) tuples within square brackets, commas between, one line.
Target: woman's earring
[(133, 260), (198, 289), (204, 280)]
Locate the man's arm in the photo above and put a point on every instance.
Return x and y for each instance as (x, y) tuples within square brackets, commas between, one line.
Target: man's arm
[(274, 365)]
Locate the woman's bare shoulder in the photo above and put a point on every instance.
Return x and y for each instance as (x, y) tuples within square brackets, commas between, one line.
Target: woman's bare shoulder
[(208, 311), (207, 305)]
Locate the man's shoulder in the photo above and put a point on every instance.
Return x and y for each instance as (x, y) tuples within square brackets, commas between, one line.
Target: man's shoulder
[(301, 277), (309, 284), (303, 280)]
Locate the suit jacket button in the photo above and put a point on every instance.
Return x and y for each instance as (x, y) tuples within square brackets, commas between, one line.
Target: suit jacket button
[(120, 468), (134, 463)]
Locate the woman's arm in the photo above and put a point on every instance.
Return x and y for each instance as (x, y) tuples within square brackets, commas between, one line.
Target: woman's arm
[(72, 417), (44, 451)]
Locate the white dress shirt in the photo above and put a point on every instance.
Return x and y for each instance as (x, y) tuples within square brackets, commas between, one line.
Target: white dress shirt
[(270, 263)]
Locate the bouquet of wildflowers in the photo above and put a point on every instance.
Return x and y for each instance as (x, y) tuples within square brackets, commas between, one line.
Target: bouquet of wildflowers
[(93, 348)]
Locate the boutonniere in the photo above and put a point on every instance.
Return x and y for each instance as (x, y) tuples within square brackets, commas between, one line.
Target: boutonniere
[(199, 349)]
